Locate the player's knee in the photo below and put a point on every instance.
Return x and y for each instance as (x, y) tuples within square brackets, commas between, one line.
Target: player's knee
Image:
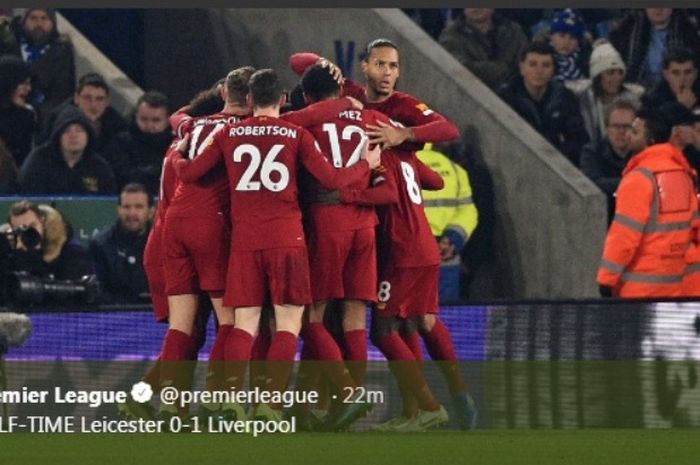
[(426, 323), (380, 328), (354, 315)]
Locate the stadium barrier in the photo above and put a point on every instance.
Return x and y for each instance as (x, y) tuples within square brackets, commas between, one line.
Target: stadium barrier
[(584, 364)]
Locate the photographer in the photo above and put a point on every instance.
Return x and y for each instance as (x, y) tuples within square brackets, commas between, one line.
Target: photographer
[(41, 243)]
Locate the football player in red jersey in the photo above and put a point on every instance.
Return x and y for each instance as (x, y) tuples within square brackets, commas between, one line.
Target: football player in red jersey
[(268, 250), (409, 257)]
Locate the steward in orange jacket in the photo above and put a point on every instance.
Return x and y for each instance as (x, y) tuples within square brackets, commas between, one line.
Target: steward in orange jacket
[(654, 226)]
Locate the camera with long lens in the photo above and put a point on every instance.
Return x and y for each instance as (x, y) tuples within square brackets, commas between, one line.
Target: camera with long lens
[(21, 288)]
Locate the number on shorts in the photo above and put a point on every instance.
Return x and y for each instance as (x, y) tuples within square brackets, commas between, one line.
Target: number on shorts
[(269, 166), (384, 293), (336, 154), (412, 186)]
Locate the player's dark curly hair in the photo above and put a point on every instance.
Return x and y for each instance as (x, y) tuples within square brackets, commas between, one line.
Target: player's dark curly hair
[(318, 84), (205, 103)]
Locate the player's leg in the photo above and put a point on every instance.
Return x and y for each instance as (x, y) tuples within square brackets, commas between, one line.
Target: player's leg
[(440, 346), (355, 337)]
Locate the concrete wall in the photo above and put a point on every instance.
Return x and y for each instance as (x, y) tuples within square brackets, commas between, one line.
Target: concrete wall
[(123, 91), (550, 219)]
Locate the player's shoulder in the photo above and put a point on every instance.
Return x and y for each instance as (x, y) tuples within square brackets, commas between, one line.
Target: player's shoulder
[(408, 101)]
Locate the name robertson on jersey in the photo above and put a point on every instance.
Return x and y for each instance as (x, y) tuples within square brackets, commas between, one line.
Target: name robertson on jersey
[(262, 131)]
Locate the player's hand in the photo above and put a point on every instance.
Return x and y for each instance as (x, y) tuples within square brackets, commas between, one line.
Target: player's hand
[(387, 135), (372, 156), (356, 104), (183, 145), (687, 97), (332, 68)]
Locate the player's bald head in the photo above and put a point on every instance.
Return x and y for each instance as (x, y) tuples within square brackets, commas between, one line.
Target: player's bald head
[(318, 84), (265, 88), (237, 84)]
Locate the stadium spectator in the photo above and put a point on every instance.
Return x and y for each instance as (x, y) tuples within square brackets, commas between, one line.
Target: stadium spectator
[(8, 171), (643, 37), (452, 216), (92, 98), (67, 163), (488, 44), (549, 107), (35, 39), (680, 81), (17, 118), (567, 36), (117, 252), (606, 85), (55, 254), (651, 232), (136, 155), (603, 161)]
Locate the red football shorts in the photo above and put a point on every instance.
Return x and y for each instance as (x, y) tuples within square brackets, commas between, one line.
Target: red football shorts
[(196, 254), (155, 273), (282, 274), (343, 265), (407, 292)]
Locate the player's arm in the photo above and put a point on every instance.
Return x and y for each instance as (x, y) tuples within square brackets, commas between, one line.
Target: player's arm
[(300, 62), (418, 123), (383, 190), (632, 213), (429, 179), (180, 121), (328, 176), (209, 156)]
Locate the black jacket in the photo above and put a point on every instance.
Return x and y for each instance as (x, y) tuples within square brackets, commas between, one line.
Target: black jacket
[(136, 156), (604, 167), (17, 126), (111, 122), (557, 116), (45, 171), (72, 263), (118, 258), (662, 93)]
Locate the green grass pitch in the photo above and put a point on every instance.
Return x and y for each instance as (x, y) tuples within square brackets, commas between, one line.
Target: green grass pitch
[(594, 447)]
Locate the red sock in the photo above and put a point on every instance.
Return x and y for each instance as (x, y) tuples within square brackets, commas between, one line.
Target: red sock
[(356, 354), (408, 375), (152, 376), (280, 359), (412, 340), (237, 353), (177, 348), (441, 348), (328, 353), (215, 373)]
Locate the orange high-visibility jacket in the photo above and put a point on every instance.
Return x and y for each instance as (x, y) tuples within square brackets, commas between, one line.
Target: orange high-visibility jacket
[(656, 209)]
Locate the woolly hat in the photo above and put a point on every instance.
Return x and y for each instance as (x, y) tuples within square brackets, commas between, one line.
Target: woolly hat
[(567, 20), (675, 114), (605, 57), (49, 11)]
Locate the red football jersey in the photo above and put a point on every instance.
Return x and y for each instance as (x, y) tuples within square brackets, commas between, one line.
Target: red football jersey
[(404, 238), (341, 137), (209, 195), (262, 156)]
